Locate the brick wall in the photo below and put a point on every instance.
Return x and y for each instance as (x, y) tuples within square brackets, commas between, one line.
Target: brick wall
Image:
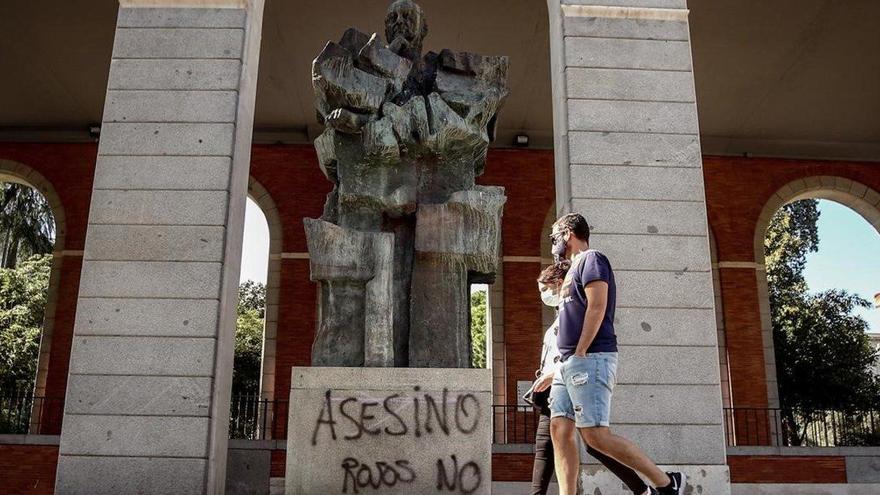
[(62, 337), (28, 469), (512, 467), (737, 190), (528, 180), (787, 469), (291, 175), (70, 170)]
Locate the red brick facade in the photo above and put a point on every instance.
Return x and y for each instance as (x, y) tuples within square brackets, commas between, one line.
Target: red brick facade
[(787, 469), (69, 168), (28, 469), (737, 189)]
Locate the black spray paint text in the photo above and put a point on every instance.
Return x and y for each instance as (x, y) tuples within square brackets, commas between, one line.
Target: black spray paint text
[(422, 413)]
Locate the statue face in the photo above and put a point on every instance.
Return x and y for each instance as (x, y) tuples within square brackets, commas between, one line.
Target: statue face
[(405, 25)]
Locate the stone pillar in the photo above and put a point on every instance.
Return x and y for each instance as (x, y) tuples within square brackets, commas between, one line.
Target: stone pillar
[(151, 367), (628, 158)]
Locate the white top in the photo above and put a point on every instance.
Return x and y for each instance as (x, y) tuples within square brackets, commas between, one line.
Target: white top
[(550, 353)]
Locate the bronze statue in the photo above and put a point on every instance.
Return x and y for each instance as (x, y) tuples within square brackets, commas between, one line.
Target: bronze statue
[(405, 230)]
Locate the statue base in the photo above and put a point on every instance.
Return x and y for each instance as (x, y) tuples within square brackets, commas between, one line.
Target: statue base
[(389, 431)]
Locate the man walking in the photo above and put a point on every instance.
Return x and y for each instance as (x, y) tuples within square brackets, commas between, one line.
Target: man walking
[(580, 397)]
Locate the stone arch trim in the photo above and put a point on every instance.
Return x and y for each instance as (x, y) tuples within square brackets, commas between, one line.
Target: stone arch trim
[(723, 359), (264, 200), (857, 196), (12, 171)]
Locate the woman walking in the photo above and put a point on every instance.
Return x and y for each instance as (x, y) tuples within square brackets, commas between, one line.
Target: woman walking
[(549, 284)]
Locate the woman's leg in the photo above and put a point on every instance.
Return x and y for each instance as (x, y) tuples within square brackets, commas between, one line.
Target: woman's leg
[(629, 477), (542, 470)]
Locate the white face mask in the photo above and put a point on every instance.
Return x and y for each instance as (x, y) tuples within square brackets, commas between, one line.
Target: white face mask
[(551, 298)]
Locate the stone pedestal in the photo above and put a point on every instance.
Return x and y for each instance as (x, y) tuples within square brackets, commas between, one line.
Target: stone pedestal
[(389, 431)]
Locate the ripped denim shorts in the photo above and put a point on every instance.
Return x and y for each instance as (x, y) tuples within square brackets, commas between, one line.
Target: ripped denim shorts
[(582, 389)]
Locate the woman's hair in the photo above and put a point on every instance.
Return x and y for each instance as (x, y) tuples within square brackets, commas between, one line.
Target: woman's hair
[(554, 273)]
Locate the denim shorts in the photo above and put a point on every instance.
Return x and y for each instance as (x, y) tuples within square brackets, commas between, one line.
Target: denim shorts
[(582, 389)]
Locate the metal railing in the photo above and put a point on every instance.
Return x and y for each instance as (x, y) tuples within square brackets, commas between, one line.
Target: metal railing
[(794, 428), (253, 418), (23, 413), (514, 424)]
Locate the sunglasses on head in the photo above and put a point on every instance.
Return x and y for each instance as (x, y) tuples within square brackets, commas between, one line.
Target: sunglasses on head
[(558, 235)]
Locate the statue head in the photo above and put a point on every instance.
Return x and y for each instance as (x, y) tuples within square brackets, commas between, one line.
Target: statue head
[(405, 28)]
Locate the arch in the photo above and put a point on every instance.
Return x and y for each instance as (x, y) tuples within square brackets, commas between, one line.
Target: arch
[(12, 171), (858, 197), (264, 200)]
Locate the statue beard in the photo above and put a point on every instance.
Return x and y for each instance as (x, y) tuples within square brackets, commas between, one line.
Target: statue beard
[(405, 47)]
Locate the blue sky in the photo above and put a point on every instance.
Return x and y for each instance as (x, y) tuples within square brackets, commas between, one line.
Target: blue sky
[(848, 257)]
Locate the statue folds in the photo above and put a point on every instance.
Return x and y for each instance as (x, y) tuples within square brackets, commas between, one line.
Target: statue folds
[(405, 230)]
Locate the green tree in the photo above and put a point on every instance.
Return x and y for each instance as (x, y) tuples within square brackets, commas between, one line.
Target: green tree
[(26, 223), (23, 292), (478, 329), (824, 358), (249, 338), (252, 295)]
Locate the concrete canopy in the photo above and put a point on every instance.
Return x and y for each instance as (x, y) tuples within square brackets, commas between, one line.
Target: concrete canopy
[(796, 78)]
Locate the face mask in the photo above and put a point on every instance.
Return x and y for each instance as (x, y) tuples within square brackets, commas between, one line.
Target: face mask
[(551, 298), (558, 248)]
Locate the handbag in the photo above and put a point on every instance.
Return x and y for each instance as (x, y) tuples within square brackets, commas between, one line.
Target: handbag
[(539, 400)]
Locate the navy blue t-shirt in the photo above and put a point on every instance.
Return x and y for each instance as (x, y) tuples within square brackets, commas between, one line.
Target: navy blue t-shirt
[(588, 267)]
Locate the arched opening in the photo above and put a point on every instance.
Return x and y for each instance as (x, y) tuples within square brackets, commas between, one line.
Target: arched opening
[(253, 382), (816, 245), (31, 252), (481, 356)]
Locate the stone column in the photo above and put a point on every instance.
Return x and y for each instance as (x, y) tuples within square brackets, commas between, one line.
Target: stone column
[(628, 158), (151, 366)]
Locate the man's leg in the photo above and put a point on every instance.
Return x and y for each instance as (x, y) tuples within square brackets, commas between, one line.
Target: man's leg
[(566, 454), (601, 439), (590, 381), (562, 431)]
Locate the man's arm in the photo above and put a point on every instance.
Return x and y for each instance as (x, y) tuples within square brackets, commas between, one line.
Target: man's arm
[(597, 300)]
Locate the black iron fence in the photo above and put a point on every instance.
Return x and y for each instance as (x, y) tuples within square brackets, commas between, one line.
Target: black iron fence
[(253, 418), (23, 413), (794, 428), (514, 424)]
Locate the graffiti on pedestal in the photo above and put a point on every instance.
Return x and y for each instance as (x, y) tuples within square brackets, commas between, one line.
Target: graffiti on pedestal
[(420, 417)]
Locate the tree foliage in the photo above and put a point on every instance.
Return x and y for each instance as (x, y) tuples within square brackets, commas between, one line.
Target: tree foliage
[(478, 329), (249, 338), (824, 358), (27, 227), (252, 295), (23, 293)]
